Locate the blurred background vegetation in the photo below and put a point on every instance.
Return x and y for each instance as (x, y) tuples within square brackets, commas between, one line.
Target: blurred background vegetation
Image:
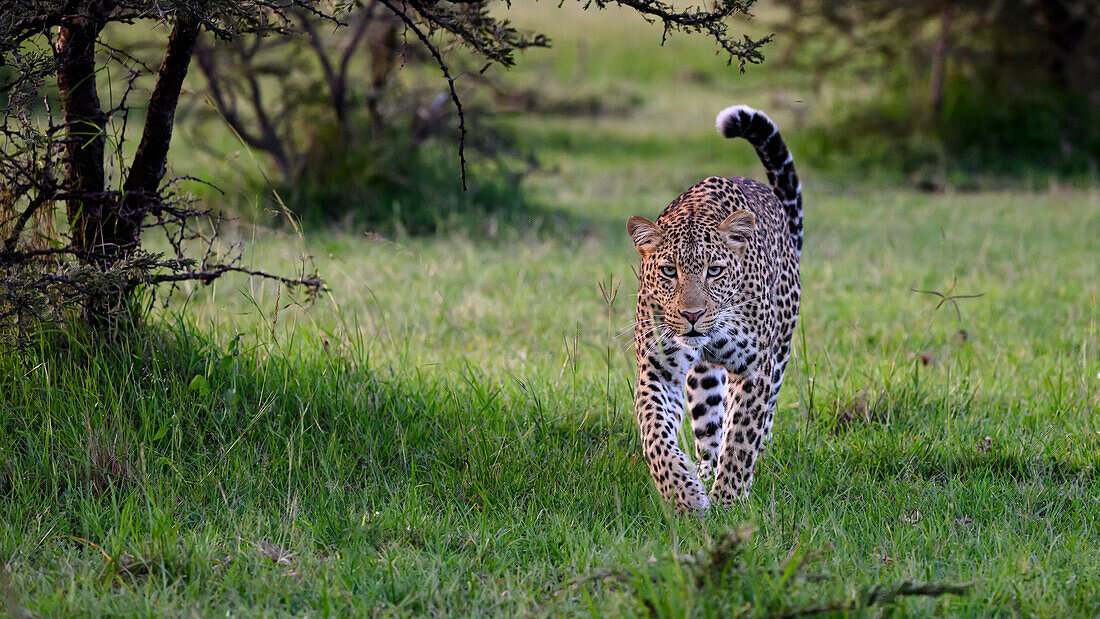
[(948, 92), (934, 96)]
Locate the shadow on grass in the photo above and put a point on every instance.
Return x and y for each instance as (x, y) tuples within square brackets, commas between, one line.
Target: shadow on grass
[(169, 406), (243, 426), (943, 465)]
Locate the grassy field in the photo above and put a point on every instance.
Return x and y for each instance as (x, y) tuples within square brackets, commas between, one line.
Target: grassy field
[(448, 431)]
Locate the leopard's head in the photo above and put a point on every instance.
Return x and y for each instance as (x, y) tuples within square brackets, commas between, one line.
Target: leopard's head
[(691, 271)]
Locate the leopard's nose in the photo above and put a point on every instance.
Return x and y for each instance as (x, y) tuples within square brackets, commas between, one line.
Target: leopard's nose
[(692, 316)]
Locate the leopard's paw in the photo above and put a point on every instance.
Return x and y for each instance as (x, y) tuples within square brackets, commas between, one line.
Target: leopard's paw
[(728, 497), (693, 501)]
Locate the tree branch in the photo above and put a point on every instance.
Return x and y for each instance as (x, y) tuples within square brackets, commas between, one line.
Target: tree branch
[(212, 272), (226, 108), (446, 75), (356, 37), (24, 217), (147, 168)]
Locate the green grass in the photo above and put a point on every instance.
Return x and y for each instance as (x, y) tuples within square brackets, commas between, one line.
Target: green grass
[(449, 430)]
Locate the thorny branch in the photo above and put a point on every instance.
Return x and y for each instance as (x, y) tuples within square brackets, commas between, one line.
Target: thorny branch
[(45, 163), (699, 19)]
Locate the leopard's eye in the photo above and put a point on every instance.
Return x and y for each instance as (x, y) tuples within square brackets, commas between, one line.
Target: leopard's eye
[(668, 271), (715, 271)]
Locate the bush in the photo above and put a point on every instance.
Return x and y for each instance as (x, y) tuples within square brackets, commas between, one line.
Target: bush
[(975, 138), (400, 185)]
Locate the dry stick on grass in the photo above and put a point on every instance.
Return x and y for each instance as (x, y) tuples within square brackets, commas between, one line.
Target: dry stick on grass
[(948, 297), (710, 565), (882, 595)]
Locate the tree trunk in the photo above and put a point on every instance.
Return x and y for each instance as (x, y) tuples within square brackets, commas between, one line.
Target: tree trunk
[(1064, 31), (89, 207), (92, 211), (939, 60), (106, 228), (383, 47), (147, 170)]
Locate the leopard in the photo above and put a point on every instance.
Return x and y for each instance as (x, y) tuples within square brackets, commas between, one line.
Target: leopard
[(719, 290)]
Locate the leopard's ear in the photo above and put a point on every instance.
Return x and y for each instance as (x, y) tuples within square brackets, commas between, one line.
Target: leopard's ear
[(647, 236), (736, 230)]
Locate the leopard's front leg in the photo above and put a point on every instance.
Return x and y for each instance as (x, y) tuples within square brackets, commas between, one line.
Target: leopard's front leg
[(659, 408), (705, 385), (749, 412)]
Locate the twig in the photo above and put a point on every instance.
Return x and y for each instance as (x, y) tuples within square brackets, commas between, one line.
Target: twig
[(93, 545), (17, 229), (881, 595), (944, 298)]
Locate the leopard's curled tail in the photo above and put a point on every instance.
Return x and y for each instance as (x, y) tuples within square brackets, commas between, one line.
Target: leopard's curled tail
[(741, 121)]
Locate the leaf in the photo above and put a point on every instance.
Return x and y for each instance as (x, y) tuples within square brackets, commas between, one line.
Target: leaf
[(235, 345), (199, 383)]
